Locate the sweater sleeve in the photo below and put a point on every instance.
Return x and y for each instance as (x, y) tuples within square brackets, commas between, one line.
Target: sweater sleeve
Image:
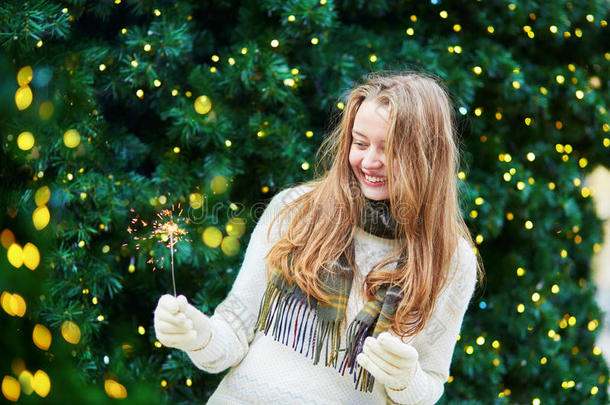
[(436, 342), (235, 317)]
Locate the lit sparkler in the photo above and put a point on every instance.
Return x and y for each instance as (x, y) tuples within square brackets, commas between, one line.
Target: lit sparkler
[(166, 227)]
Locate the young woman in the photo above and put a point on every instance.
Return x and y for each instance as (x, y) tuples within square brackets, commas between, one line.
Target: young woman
[(354, 285)]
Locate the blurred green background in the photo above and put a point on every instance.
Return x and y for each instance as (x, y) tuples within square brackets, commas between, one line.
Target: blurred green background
[(120, 109)]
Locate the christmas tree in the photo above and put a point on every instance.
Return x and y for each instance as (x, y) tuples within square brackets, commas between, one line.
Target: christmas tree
[(121, 117)]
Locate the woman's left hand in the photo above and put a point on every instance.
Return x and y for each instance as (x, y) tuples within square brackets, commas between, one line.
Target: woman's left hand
[(392, 362)]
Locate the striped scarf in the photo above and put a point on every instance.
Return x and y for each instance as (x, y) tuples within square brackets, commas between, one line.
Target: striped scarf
[(283, 308)]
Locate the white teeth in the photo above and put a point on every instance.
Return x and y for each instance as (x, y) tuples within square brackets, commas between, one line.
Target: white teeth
[(375, 179)]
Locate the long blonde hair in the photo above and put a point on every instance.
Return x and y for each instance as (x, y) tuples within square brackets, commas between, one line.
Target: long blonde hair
[(423, 199)]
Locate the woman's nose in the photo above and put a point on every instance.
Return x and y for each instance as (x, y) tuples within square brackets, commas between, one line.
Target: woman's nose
[(373, 159)]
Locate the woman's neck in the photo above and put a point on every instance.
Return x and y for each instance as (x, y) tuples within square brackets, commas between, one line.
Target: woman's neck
[(377, 218)]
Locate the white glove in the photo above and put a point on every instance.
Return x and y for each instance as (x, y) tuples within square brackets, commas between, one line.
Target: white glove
[(179, 324), (392, 362)]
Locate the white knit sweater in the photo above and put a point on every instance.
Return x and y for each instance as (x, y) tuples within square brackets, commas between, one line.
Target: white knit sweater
[(264, 371)]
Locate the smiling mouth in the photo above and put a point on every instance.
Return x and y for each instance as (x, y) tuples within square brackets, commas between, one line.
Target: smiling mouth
[(374, 180)]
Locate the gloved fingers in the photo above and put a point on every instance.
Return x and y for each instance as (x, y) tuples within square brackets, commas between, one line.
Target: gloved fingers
[(373, 345), (394, 345), (178, 340), (178, 320), (169, 303), (366, 362), (382, 362), (169, 328), (182, 302)]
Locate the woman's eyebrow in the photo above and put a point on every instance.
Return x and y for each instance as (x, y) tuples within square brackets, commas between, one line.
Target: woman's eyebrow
[(360, 134), (356, 132)]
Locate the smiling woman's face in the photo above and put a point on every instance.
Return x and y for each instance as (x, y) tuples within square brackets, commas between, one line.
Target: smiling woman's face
[(367, 152)]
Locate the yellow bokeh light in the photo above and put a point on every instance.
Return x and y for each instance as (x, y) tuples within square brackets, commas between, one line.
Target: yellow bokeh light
[(212, 236), (529, 224), (71, 138), (11, 388), (477, 70), (535, 297), (14, 255), (41, 383), (560, 79), (305, 166), (203, 105), (219, 184), (275, 43), (196, 200), (41, 337), (25, 140), (114, 389), (18, 305), (141, 330), (23, 97), (5, 301), (31, 256), (469, 349), (520, 308), (42, 196), (480, 340), (410, 31), (41, 217), (230, 245), (25, 75), (236, 227), (26, 379), (495, 344), (70, 332)]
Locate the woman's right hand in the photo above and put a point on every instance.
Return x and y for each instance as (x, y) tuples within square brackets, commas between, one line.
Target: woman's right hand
[(179, 324)]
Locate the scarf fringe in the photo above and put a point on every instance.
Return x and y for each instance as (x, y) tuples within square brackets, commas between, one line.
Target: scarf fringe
[(285, 312)]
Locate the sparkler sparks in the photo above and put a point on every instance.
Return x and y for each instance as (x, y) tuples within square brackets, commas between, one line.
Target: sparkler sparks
[(166, 228)]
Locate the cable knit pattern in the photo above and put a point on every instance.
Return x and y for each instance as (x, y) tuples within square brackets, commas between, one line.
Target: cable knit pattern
[(274, 373)]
